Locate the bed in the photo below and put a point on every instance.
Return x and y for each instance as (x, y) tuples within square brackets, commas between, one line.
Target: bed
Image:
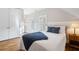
[(55, 42)]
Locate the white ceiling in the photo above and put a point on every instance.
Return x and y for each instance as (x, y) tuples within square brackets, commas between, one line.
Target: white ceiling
[(69, 11), (28, 11), (72, 11)]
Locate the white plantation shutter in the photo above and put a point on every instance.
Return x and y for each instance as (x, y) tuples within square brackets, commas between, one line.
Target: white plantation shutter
[(35, 25)]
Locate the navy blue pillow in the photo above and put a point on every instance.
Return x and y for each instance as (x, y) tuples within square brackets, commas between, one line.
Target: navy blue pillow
[(53, 29)]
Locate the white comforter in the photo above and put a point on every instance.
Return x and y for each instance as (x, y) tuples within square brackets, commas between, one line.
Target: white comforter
[(55, 42)]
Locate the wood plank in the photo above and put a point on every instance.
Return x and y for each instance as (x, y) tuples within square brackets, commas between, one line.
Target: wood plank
[(10, 45)]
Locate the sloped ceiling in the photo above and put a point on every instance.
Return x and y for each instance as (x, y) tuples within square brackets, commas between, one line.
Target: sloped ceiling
[(57, 14), (60, 14), (72, 11), (28, 11)]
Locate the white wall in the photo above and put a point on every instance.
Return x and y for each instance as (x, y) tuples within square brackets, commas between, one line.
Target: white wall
[(4, 16), (10, 22)]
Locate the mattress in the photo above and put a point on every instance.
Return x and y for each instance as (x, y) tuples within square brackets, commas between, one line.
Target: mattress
[(55, 42)]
